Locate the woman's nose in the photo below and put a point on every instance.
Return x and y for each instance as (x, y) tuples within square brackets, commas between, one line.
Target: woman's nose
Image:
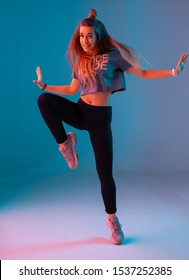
[(85, 40)]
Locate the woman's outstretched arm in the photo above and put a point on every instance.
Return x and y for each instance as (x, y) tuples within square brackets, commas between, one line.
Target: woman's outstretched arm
[(156, 74), (66, 90)]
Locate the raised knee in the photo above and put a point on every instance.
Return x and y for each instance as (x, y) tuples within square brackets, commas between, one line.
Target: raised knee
[(42, 99)]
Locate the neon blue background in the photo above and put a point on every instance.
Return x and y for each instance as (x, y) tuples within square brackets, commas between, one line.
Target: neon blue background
[(150, 121)]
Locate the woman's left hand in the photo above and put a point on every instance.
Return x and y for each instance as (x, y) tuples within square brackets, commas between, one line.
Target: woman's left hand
[(181, 64)]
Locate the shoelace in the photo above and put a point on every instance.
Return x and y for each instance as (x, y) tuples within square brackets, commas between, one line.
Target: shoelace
[(66, 155), (116, 226)]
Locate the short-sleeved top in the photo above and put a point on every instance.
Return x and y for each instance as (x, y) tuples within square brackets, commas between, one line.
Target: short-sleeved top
[(109, 73)]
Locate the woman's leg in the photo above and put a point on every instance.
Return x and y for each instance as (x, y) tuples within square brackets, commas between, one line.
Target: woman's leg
[(102, 145), (55, 110), (98, 125), (101, 140)]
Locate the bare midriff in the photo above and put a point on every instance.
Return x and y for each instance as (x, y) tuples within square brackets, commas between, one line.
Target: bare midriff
[(97, 98)]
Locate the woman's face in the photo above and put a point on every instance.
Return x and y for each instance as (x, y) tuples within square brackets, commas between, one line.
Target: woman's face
[(87, 38)]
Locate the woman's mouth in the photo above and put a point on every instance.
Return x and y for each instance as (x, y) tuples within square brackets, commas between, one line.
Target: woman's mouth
[(86, 47)]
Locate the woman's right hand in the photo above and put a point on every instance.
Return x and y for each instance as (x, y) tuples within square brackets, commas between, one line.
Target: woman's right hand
[(181, 64), (39, 80)]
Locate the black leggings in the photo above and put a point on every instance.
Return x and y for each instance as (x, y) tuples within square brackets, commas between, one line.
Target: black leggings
[(97, 121)]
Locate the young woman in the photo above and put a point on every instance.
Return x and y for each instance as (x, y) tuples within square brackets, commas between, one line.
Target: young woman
[(98, 63)]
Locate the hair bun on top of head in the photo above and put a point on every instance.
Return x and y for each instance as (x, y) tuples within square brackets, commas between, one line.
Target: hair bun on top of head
[(92, 14)]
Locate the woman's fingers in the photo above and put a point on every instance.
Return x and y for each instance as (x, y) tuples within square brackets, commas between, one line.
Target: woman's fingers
[(185, 59), (39, 80), (39, 75)]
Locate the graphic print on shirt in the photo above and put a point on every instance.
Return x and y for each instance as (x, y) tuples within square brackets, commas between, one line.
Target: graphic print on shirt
[(107, 74), (100, 62)]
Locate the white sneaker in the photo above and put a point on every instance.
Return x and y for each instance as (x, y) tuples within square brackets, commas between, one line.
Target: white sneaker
[(116, 235), (70, 153)]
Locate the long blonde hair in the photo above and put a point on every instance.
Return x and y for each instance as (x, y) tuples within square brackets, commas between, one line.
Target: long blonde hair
[(82, 63)]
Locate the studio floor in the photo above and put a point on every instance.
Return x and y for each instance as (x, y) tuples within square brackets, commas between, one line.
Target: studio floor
[(60, 216)]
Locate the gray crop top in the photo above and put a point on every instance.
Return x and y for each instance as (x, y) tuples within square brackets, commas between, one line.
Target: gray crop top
[(109, 73)]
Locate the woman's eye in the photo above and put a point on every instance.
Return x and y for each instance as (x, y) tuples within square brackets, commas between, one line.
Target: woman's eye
[(88, 36)]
